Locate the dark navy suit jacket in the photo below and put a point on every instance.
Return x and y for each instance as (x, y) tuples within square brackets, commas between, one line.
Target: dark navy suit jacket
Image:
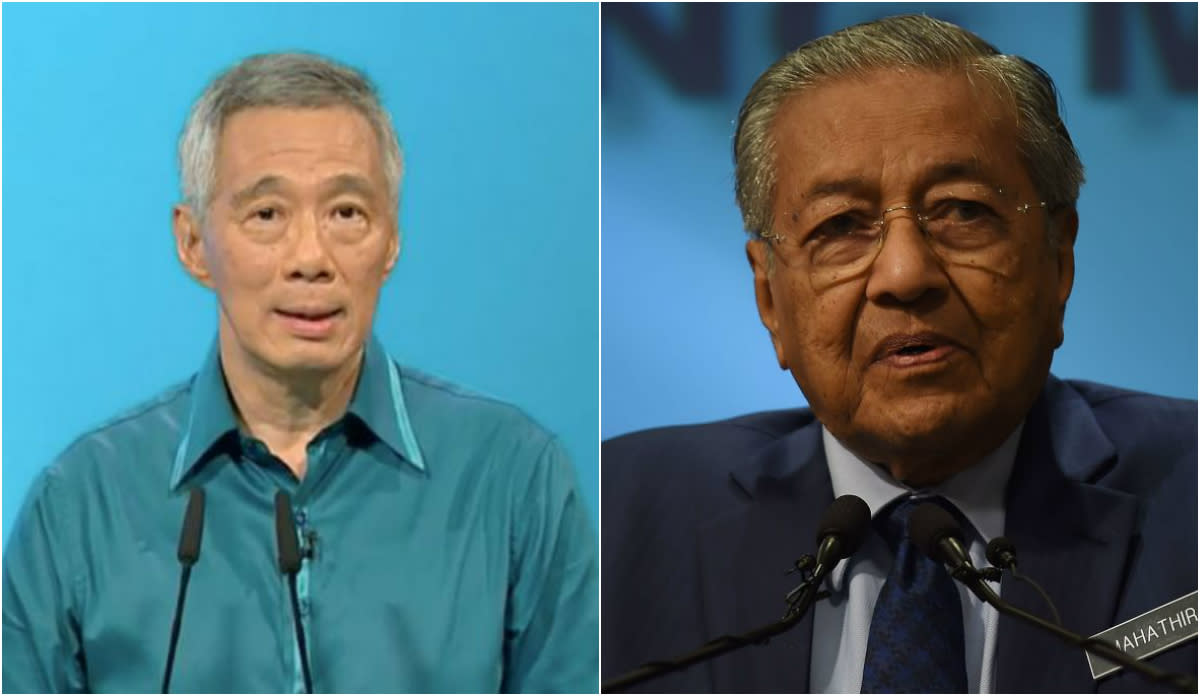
[(700, 522)]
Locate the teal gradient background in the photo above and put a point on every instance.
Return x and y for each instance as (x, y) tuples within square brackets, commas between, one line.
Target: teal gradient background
[(497, 108)]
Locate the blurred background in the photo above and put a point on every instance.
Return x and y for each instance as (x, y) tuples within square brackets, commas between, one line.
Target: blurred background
[(681, 339), (497, 107)]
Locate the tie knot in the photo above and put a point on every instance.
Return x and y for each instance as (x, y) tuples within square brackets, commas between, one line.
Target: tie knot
[(892, 521)]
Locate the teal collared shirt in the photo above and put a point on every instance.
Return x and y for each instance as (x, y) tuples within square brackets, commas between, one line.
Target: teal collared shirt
[(447, 546)]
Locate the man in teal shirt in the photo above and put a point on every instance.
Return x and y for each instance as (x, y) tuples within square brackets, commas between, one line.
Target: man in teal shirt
[(445, 544)]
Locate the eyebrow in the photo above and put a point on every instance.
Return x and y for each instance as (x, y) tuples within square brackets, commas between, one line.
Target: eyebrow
[(349, 183), (943, 171), (271, 183), (829, 188), (957, 169), (265, 185)]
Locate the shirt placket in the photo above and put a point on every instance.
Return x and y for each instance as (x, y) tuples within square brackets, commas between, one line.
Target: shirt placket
[(300, 513)]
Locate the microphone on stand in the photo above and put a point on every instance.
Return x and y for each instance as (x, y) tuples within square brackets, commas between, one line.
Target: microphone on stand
[(842, 530), (1002, 554), (289, 564), (938, 535), (189, 552)]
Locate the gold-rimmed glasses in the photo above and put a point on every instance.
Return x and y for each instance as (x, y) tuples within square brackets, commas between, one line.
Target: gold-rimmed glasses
[(838, 240)]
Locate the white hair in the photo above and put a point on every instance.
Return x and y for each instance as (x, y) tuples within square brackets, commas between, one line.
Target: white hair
[(907, 41)]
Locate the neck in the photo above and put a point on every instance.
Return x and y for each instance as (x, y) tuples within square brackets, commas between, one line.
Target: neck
[(934, 463), (286, 408)]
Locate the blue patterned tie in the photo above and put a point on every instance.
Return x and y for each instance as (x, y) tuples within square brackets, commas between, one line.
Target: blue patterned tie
[(916, 641)]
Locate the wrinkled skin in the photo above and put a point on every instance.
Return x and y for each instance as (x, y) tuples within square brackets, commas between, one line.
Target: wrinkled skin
[(887, 137), (323, 235)]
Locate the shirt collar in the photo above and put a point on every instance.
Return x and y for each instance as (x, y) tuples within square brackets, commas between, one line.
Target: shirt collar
[(378, 401), (977, 491)]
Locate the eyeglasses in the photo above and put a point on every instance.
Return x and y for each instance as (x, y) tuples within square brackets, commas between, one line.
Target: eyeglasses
[(965, 225)]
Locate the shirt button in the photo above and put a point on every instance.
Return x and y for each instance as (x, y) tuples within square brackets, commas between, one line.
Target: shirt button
[(301, 517)]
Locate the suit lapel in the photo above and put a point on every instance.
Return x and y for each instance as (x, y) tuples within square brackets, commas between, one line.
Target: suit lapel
[(1071, 537), (745, 553)]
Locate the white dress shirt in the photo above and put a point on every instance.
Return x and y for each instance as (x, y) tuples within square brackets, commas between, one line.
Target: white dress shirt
[(842, 622)]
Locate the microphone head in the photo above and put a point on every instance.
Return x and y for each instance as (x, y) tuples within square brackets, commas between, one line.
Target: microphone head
[(285, 535), (1002, 553), (193, 528), (928, 525), (849, 518)]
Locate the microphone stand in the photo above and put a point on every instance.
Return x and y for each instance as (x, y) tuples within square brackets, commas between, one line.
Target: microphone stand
[(290, 561), (799, 601), (189, 552), (299, 627), (973, 579), (184, 577)]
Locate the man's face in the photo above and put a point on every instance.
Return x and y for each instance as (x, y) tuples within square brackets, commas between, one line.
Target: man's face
[(918, 363), (299, 237)]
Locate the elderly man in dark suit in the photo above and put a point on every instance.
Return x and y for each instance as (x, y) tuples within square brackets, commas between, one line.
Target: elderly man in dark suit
[(910, 194)]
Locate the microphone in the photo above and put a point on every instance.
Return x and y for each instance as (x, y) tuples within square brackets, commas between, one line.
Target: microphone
[(1002, 553), (288, 546), (938, 535), (188, 554), (842, 530), (840, 534)]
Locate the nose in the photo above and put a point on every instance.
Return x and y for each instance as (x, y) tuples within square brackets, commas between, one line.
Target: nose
[(906, 269), (309, 259)]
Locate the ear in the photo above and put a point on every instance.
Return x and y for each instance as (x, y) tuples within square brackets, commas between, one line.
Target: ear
[(759, 256), (393, 251), (1068, 227), (189, 245)]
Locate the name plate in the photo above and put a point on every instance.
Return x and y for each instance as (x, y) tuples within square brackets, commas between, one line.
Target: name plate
[(1148, 634)]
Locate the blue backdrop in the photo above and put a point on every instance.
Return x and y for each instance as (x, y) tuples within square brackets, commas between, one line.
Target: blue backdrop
[(682, 341), (496, 288)]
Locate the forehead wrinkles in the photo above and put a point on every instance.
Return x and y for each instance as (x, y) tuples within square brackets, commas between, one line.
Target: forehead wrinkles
[(304, 141), (855, 126)]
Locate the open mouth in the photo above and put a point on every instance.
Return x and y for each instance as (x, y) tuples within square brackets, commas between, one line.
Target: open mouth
[(914, 349)]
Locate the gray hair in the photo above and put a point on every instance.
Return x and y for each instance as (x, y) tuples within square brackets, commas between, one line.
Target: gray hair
[(296, 80), (907, 41)]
